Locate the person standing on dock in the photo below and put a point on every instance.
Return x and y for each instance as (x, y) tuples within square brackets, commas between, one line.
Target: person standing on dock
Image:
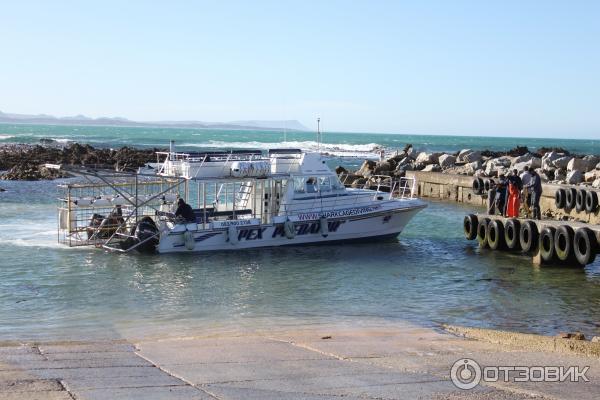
[(526, 199), (514, 195), (535, 188), (501, 195)]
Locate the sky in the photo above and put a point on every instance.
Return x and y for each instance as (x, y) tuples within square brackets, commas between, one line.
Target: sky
[(504, 68)]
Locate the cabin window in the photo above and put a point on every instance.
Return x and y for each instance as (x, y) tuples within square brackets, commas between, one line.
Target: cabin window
[(324, 184), (299, 184), (311, 185), (335, 183)]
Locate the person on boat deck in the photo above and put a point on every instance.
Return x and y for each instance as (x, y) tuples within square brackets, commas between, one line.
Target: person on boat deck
[(501, 194), (535, 188), (311, 185), (514, 194), (185, 211)]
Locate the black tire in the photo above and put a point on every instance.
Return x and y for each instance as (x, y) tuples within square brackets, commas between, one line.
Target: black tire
[(580, 200), (560, 198), (482, 232), (563, 243), (495, 235), (512, 228), (591, 202), (570, 198), (585, 246), (486, 185), (478, 186), (546, 244), (470, 226), (528, 236)]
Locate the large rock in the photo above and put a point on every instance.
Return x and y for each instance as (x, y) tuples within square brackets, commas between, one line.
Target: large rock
[(383, 168), (576, 163), (360, 182), (366, 169), (549, 158), (446, 160), (591, 176), (531, 162), (562, 162), (432, 168), (535, 162), (496, 166), (341, 170), (574, 177), (523, 159), (560, 174), (592, 162), (468, 156), (426, 158)]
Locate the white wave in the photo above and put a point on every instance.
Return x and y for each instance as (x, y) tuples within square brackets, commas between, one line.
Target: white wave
[(369, 150), (57, 140), (4, 137)]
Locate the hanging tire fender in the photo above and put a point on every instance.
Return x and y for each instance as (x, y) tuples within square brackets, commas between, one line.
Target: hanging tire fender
[(324, 227), (580, 200), (563, 243), (546, 243), (512, 231), (570, 198), (495, 234), (591, 201), (478, 186), (289, 229), (470, 226), (560, 198), (585, 246), (232, 234), (528, 236), (188, 240), (482, 232)]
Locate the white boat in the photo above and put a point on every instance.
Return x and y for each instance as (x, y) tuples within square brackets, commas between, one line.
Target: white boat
[(248, 199), (240, 200)]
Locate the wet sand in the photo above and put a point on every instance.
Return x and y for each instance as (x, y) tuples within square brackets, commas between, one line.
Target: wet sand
[(387, 361)]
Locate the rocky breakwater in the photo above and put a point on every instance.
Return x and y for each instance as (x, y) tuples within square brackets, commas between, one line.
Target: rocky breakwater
[(554, 165), (26, 162)]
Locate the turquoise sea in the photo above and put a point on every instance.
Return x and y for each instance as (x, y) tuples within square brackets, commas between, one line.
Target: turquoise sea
[(432, 275)]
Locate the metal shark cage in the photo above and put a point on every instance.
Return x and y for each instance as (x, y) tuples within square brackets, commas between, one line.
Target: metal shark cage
[(108, 209)]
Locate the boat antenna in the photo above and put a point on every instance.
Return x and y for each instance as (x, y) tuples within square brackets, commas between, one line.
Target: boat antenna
[(319, 134)]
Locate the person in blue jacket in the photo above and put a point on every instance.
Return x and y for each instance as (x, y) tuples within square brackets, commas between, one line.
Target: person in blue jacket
[(535, 188)]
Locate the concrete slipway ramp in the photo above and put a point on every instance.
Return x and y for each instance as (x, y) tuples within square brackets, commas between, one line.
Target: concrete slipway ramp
[(386, 361)]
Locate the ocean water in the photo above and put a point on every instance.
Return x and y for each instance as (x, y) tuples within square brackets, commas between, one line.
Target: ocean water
[(347, 145), (432, 275)]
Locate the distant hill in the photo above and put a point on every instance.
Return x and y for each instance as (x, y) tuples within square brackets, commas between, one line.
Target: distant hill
[(44, 119)]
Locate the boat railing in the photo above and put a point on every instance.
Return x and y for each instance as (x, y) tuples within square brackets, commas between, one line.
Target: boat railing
[(405, 188)]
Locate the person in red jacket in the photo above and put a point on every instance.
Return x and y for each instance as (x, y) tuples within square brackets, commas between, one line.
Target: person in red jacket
[(514, 195)]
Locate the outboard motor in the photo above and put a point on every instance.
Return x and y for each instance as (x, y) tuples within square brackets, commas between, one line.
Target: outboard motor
[(145, 229)]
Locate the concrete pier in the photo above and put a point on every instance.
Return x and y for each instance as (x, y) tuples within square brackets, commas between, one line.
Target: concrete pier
[(458, 188), (541, 224), (388, 361)]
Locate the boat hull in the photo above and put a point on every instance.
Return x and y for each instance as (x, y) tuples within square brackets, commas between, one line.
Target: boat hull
[(380, 225)]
